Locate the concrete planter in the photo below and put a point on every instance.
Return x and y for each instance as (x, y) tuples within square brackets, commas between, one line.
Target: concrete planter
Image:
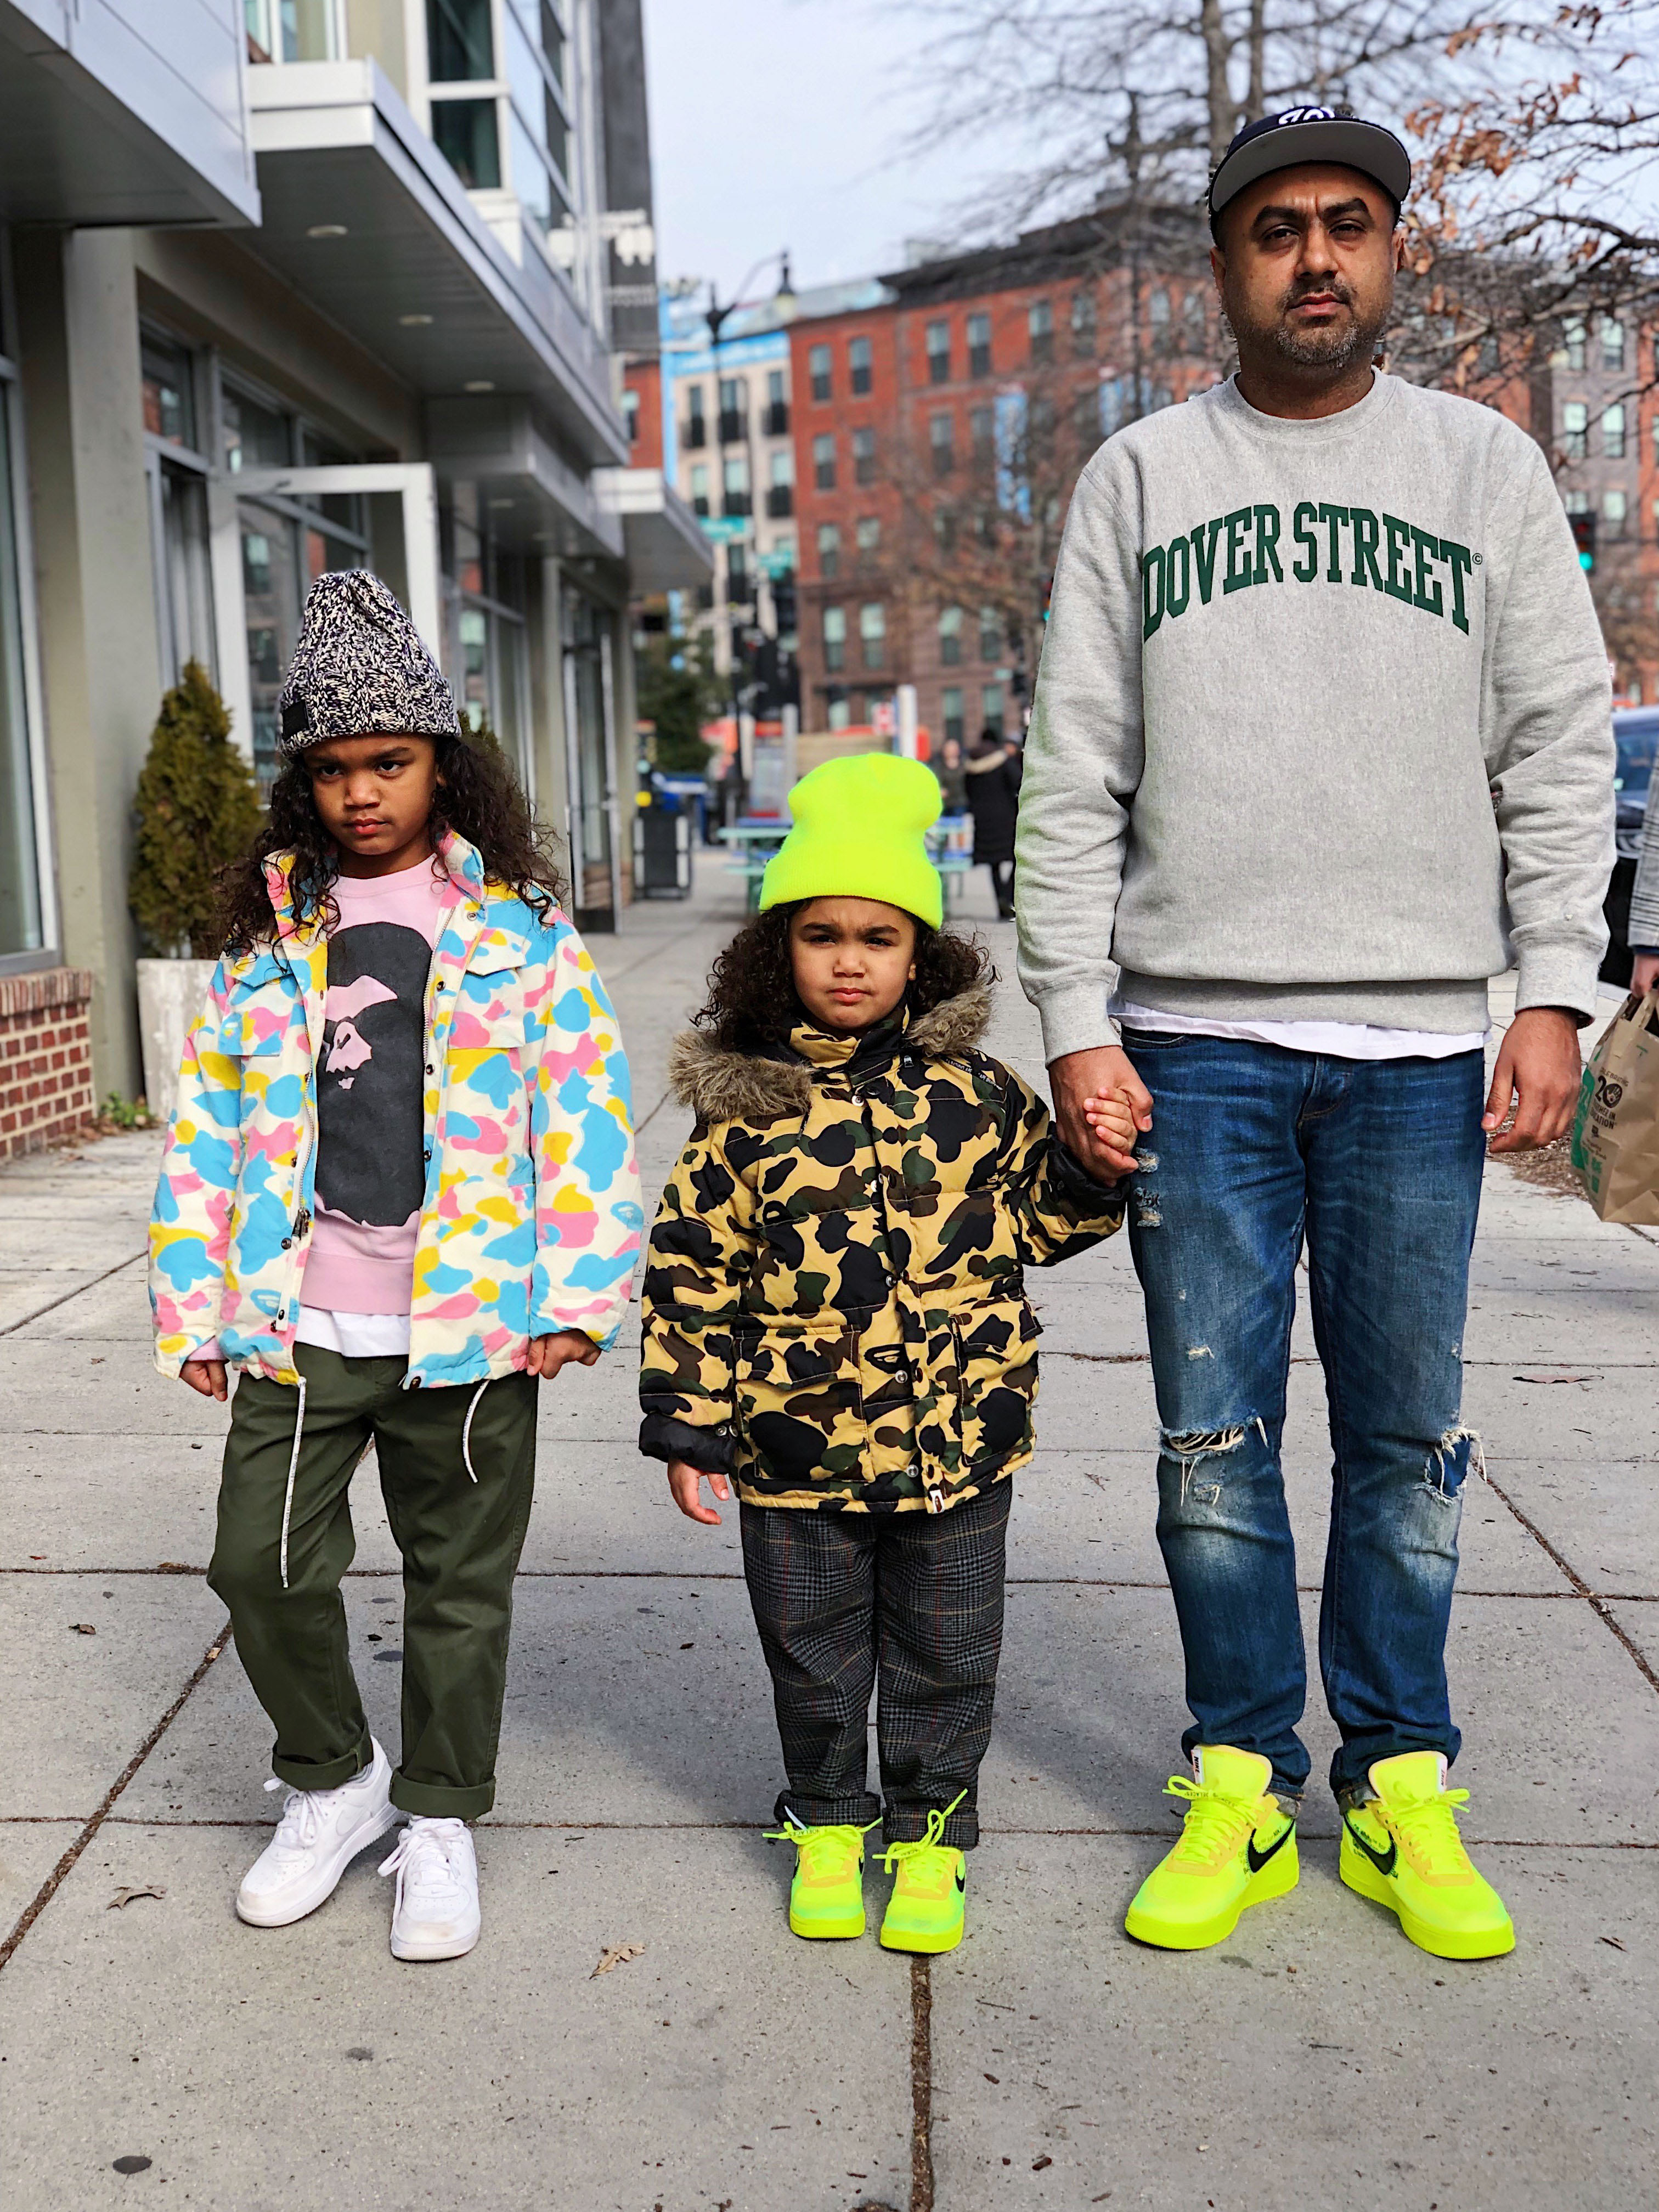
[(170, 995)]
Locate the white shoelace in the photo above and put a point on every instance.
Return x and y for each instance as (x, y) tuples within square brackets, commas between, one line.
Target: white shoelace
[(422, 1862), (303, 1814)]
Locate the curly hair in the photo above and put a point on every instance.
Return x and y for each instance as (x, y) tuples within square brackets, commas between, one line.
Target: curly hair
[(752, 1004), (479, 796)]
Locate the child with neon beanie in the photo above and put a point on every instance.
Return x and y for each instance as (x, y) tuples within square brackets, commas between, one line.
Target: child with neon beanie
[(834, 1319)]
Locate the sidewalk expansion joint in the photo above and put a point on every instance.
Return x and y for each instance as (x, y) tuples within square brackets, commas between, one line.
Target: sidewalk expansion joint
[(921, 2085), (52, 1304), (1608, 1618), (49, 1888)]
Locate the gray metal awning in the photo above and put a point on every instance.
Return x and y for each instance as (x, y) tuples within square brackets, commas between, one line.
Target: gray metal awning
[(128, 113), (667, 551), (535, 501), (365, 217)]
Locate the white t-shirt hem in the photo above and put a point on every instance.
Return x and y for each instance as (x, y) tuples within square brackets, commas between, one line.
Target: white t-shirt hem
[(353, 1335), (1338, 1040)]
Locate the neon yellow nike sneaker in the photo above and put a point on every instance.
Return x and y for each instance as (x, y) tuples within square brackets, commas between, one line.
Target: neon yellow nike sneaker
[(1237, 1848), (1401, 1849), (924, 1912), (826, 1897)]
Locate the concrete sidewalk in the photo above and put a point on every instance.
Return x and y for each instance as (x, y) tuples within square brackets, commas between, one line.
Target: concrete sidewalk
[(1048, 2062)]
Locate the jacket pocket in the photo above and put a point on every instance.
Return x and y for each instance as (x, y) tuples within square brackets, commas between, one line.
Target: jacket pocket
[(997, 1379), (800, 1405)]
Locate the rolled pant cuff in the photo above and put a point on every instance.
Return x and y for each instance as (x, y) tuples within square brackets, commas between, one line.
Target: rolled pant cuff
[(324, 1774), (908, 1824), (443, 1800), (859, 1811)]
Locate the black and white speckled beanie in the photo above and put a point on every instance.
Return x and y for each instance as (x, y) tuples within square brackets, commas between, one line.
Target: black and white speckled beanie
[(360, 668)]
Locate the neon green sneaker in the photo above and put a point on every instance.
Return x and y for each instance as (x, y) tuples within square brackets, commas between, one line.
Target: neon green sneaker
[(826, 1897), (924, 1912), (1237, 1848), (1401, 1849)]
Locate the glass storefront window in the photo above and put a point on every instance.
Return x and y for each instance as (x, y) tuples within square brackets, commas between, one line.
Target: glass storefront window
[(169, 406), (271, 593), (185, 581), (19, 876), (255, 436), (587, 751)]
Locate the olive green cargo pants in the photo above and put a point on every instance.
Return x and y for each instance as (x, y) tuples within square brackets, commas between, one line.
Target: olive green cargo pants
[(457, 1472)]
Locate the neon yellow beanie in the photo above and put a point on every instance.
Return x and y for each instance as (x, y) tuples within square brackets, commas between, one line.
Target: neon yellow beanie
[(860, 832)]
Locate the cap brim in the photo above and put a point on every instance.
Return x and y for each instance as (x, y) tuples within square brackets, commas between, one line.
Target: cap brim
[(1367, 147)]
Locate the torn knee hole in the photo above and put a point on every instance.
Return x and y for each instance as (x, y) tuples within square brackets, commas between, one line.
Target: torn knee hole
[(1450, 1460)]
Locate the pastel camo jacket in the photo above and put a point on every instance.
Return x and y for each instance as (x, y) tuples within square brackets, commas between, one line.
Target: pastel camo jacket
[(530, 1219), (833, 1308)]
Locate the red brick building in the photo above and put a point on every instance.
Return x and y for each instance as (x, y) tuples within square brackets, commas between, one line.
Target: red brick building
[(45, 1059), (938, 436)]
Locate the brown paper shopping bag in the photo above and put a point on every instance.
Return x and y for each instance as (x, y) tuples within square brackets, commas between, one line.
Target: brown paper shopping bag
[(1615, 1131)]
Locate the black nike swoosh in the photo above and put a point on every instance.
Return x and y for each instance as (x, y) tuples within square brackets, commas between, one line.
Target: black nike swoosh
[(1382, 1861), (961, 1881), (1259, 1859)]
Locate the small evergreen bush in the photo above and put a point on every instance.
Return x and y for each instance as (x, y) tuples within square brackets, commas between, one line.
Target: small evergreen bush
[(196, 807)]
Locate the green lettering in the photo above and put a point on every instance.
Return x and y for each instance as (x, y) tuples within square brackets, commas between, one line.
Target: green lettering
[(1152, 614), (1303, 517), (1398, 586), (1364, 547), (1177, 559), (1204, 551), (1336, 516), (1427, 594), (1239, 575), (1266, 545), (1462, 564)]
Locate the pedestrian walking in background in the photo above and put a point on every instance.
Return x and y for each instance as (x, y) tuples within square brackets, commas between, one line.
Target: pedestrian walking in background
[(951, 771), (993, 769), (835, 1318), (1322, 742), (399, 1188)]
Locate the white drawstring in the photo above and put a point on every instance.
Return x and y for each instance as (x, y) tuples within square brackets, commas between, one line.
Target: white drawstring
[(293, 1469), (467, 1431)]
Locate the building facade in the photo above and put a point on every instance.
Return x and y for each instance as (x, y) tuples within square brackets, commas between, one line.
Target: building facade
[(286, 288)]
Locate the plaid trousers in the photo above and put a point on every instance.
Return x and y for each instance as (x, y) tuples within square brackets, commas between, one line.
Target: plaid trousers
[(907, 1603)]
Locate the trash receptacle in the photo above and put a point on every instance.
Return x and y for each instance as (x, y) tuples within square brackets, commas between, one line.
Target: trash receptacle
[(662, 851)]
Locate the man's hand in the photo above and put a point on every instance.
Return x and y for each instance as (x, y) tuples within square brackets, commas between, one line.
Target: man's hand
[(1644, 972), (683, 1484), (207, 1376), (548, 1353), (1538, 1071), (1082, 1077)]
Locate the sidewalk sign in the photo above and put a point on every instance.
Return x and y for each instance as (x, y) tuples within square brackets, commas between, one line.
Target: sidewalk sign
[(1615, 1130)]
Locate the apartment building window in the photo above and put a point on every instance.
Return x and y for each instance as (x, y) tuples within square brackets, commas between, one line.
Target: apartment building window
[(990, 707), (1613, 432), (818, 371), (737, 573), (780, 487), (630, 410), (734, 484), (938, 353), (834, 637), (840, 713), (945, 530), (951, 702), (465, 132), (696, 425), (1613, 343), (1158, 314), (941, 443), (1572, 341), (460, 47), (828, 549), (981, 431), (488, 100), (1194, 320), (864, 456), (873, 633), (1614, 511), (1039, 321), (700, 489), (1575, 430), (777, 406), (292, 30), (990, 633), (950, 638), (858, 365), (734, 410), (978, 346), (866, 536), (824, 460), (23, 912), (1084, 325)]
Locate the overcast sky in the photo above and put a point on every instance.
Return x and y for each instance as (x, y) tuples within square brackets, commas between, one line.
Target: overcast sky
[(773, 124)]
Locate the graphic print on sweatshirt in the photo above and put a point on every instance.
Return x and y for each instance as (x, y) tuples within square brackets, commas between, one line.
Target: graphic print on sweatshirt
[(369, 1074)]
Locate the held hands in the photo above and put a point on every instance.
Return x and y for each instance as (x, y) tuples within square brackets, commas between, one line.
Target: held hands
[(1101, 1105), (1538, 1072), (683, 1488)]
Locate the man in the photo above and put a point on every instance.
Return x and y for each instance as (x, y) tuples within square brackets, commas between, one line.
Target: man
[(1321, 742)]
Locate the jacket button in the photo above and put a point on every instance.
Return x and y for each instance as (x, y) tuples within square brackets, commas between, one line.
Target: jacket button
[(901, 1375), (287, 1241), (430, 1069), (427, 1154), (442, 984)]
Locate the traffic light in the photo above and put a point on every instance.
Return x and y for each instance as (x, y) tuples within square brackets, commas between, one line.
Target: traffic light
[(1584, 537)]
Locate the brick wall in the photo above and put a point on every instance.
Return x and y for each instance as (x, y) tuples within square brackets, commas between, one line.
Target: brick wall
[(45, 1058)]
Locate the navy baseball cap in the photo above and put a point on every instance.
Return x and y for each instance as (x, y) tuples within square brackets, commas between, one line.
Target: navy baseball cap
[(1296, 134)]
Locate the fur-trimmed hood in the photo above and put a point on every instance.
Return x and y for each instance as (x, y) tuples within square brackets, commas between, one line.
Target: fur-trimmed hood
[(720, 1085)]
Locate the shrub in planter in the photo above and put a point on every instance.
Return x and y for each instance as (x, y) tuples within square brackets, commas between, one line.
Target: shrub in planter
[(196, 807)]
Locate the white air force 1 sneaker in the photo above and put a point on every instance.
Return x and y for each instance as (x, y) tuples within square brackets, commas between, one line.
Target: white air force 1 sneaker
[(320, 1832), (435, 1915)]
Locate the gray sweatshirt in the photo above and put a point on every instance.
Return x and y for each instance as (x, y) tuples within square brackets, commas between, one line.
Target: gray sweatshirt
[(1322, 728)]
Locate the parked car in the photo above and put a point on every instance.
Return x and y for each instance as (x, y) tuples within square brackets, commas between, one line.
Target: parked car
[(1636, 734)]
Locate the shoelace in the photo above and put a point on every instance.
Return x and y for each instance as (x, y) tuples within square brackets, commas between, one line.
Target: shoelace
[(421, 1856), (819, 1847), (926, 1864), (1214, 1827), (301, 1819), (1428, 1829)]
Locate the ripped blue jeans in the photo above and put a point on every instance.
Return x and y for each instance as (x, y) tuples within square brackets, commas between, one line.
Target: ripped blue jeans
[(1377, 1165)]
